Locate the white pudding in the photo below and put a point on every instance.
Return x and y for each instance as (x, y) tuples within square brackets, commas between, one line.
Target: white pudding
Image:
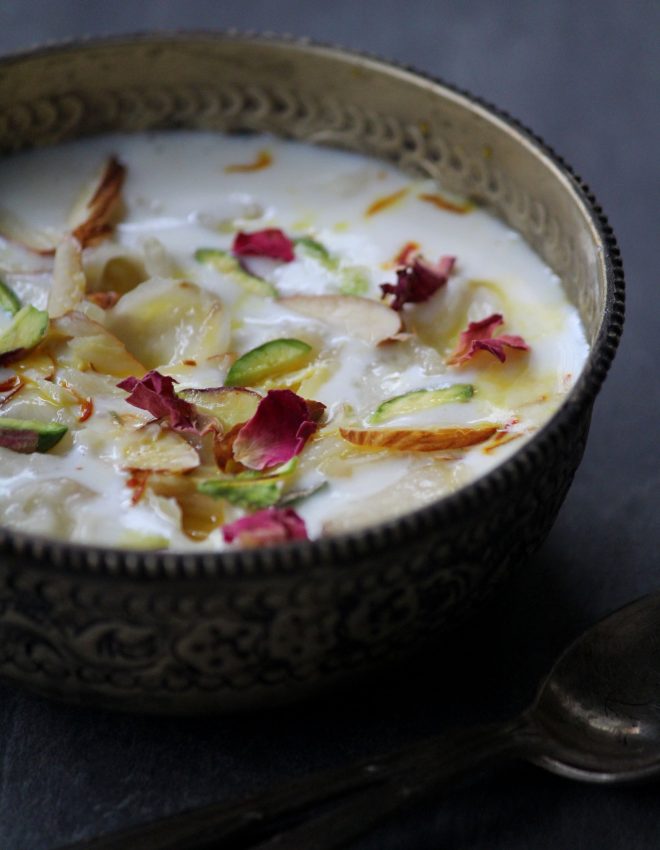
[(159, 281)]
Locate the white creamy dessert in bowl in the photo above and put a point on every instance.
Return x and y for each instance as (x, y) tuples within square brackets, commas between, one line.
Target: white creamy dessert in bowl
[(212, 341), (271, 410)]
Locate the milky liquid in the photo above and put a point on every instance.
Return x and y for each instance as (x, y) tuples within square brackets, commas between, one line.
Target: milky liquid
[(178, 191)]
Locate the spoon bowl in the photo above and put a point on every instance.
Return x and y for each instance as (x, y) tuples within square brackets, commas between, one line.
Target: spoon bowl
[(598, 712)]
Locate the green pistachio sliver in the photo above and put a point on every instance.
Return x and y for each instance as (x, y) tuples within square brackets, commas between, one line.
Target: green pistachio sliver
[(9, 301), (354, 281), (28, 327), (275, 357), (246, 493), (318, 251), (417, 400), (225, 263), (29, 435)]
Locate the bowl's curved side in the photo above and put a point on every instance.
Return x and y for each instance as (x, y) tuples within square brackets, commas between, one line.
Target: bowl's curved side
[(209, 645), (182, 632)]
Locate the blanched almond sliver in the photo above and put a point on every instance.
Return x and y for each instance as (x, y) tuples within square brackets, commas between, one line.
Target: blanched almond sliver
[(91, 345), (363, 318), (416, 439), (90, 218), (151, 447), (158, 262), (69, 281), (160, 457), (165, 321), (14, 230)]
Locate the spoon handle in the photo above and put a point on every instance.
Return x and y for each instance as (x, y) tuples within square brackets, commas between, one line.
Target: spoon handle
[(363, 793), (447, 759)]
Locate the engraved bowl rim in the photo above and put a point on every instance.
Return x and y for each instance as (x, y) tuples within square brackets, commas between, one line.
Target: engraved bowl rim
[(342, 549)]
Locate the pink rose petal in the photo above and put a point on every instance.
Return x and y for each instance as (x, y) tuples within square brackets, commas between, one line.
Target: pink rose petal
[(270, 525), (155, 393), (278, 431), (271, 242), (479, 337), (418, 281)]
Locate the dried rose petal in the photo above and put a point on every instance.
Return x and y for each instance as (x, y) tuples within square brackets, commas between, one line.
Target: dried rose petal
[(270, 242), (270, 525), (479, 337), (278, 430), (315, 409), (155, 393), (418, 281)]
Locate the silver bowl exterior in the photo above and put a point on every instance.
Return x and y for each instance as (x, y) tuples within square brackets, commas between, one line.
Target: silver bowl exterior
[(186, 633)]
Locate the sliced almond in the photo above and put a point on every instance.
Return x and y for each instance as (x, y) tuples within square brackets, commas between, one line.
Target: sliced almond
[(88, 345), (153, 448), (230, 405), (363, 318), (43, 401), (158, 262), (417, 439), (164, 321), (38, 241), (69, 282), (90, 219), (90, 384)]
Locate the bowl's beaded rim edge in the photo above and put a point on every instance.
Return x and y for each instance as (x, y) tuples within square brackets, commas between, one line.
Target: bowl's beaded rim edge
[(343, 548)]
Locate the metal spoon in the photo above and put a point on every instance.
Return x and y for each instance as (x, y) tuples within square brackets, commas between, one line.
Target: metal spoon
[(596, 718)]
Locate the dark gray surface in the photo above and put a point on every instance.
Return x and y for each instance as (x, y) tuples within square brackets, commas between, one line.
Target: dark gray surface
[(585, 76)]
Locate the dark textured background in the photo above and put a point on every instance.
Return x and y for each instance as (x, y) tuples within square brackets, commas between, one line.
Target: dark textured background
[(585, 76)]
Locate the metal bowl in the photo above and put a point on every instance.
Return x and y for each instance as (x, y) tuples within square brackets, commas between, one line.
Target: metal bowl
[(184, 633)]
